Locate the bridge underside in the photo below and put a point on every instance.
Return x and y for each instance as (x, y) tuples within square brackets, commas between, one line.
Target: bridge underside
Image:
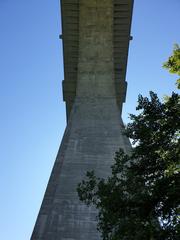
[(71, 30)]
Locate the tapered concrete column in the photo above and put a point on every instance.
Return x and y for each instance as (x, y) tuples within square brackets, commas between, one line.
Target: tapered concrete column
[(94, 130)]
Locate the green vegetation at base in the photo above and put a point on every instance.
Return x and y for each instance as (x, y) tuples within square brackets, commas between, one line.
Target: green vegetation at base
[(140, 200)]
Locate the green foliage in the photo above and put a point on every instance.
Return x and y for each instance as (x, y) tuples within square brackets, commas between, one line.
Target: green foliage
[(141, 198), (173, 63)]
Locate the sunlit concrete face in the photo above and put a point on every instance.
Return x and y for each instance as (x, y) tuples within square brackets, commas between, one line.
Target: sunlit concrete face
[(94, 130), (95, 65)]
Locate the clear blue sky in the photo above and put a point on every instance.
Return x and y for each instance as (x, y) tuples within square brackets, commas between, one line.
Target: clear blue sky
[(32, 110)]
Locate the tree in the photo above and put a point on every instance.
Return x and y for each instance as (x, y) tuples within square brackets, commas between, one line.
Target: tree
[(141, 198), (173, 63)]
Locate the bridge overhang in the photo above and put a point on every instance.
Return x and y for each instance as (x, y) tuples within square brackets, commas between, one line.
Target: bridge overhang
[(122, 16)]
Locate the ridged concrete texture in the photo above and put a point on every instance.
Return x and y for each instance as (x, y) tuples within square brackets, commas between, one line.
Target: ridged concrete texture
[(93, 133)]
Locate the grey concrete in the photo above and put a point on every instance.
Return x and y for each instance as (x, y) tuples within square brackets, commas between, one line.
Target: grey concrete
[(120, 30), (94, 130)]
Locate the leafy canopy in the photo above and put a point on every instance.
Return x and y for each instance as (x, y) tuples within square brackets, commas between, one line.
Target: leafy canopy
[(173, 63), (140, 200)]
